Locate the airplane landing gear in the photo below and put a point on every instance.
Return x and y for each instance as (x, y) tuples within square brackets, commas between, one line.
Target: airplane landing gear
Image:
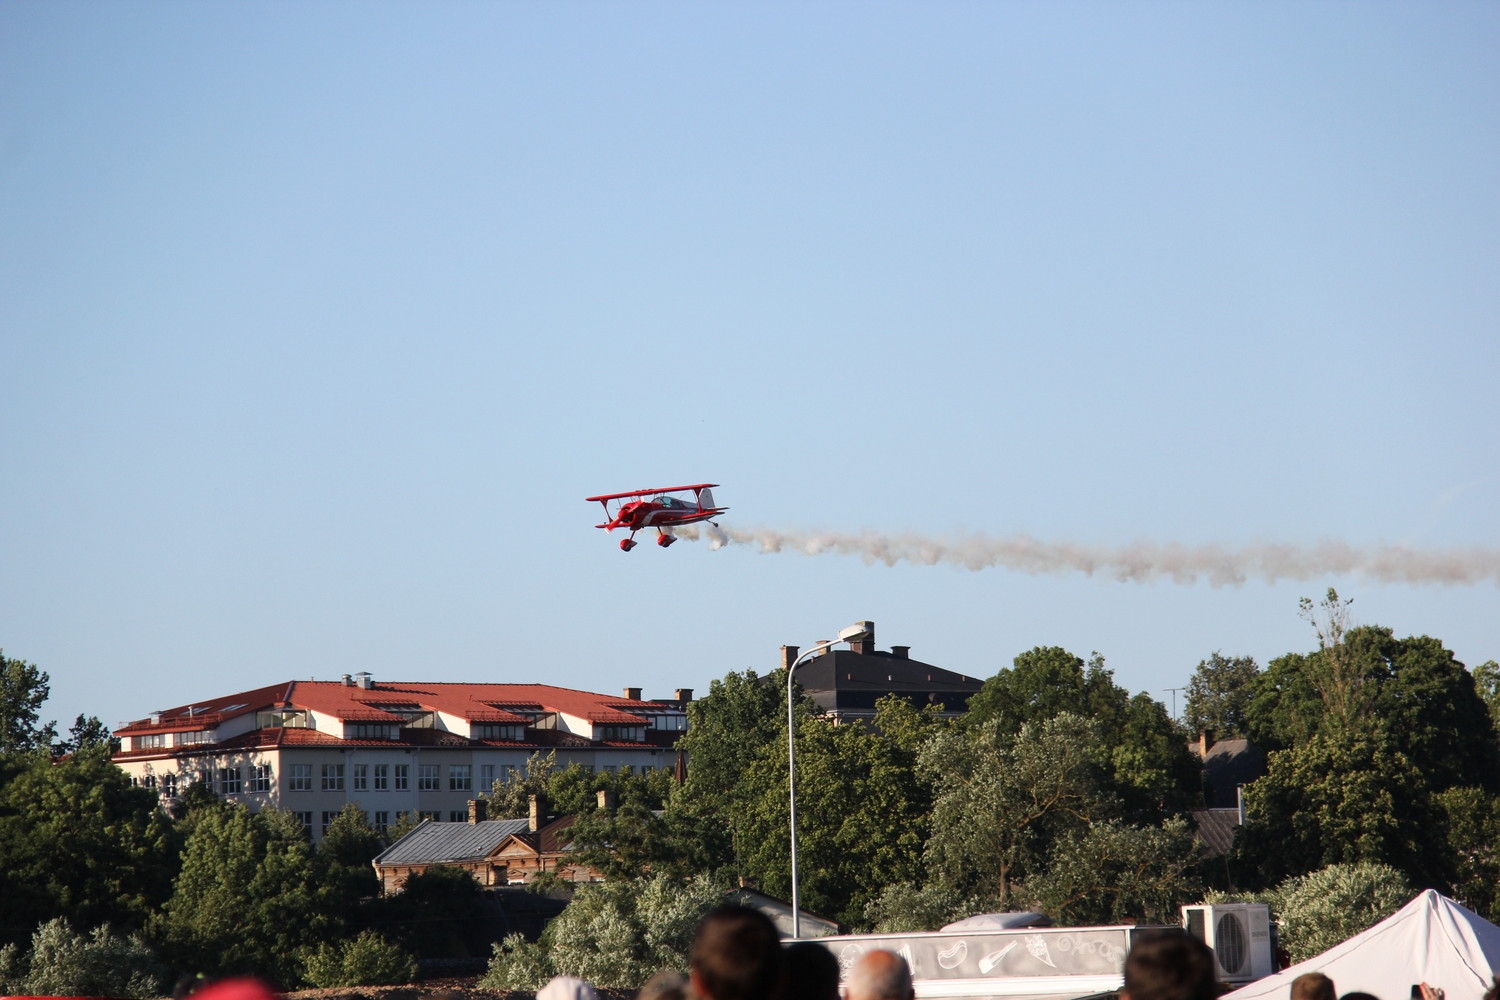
[(626, 544), (665, 540)]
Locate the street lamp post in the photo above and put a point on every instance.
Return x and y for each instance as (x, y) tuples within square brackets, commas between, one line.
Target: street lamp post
[(854, 633)]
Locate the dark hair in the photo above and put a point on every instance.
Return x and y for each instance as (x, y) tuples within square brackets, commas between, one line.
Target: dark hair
[(1313, 986), (1170, 966), (736, 954), (812, 973)]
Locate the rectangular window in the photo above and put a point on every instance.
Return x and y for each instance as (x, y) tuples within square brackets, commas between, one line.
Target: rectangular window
[(458, 816), (382, 822), (196, 736), (333, 777), (486, 777), (382, 777), (427, 777), (305, 818), (302, 782), (147, 742), (328, 818), (361, 777), (494, 731), (459, 779), (260, 778), (169, 785), (431, 814), (229, 781), (402, 770)]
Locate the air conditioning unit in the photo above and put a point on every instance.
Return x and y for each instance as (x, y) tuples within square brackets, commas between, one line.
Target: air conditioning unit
[(1239, 934)]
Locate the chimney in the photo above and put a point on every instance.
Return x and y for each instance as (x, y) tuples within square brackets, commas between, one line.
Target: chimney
[(902, 653), (348, 681), (867, 644), (634, 694), (606, 799), (1205, 743), (478, 811), (364, 680), (538, 816), (683, 696), (788, 657)]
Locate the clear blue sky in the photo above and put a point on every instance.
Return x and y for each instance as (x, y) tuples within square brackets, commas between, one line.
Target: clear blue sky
[(318, 321)]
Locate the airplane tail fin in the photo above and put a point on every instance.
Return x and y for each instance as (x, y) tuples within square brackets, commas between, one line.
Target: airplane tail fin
[(706, 498)]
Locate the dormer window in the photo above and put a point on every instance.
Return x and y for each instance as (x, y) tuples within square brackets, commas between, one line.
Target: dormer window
[(498, 731), (371, 731), (621, 734), (148, 742), (195, 736)]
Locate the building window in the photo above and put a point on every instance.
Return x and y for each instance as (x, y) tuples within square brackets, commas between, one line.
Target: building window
[(147, 742), (149, 781), (305, 818), (196, 736), (673, 722), (373, 731), (169, 785), (459, 779), (622, 734), (486, 777), (402, 770), (333, 777), (458, 816), (382, 822), (361, 777), (302, 782), (431, 814), (260, 778), (493, 731), (382, 777), (328, 818), (229, 781), (427, 778)]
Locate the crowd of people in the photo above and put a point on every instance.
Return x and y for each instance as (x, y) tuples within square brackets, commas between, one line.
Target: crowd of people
[(737, 955)]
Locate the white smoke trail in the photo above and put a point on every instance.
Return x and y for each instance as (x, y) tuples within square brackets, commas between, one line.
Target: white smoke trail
[(1136, 562)]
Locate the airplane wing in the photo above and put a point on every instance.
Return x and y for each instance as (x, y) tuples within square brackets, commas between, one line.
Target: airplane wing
[(648, 493)]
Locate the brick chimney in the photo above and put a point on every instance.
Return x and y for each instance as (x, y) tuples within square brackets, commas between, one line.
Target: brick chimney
[(634, 694), (1205, 743), (867, 644), (901, 653), (538, 813), (683, 696), (606, 799), (478, 811), (788, 657)]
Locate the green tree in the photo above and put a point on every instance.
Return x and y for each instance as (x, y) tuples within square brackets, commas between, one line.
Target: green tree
[(1472, 822), (1487, 685), (247, 899), (77, 841), (1000, 800), (1341, 798), (1043, 683), (1110, 871), (613, 934), (860, 822), (1327, 907), (343, 861), (23, 688), (439, 913), (365, 960), (63, 962), (88, 735), (1218, 693)]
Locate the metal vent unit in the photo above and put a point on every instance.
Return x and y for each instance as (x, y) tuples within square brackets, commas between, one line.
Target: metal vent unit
[(1238, 933)]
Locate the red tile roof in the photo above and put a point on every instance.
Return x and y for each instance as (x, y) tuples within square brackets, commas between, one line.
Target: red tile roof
[(492, 703)]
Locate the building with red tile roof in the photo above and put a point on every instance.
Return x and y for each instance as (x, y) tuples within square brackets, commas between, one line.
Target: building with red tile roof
[(395, 748)]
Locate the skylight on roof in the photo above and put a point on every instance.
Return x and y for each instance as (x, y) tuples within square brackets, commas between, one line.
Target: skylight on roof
[(232, 708)]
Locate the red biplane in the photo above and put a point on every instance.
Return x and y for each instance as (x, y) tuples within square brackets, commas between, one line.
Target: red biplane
[(658, 509)]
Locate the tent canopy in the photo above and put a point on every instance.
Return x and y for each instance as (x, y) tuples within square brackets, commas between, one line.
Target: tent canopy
[(1429, 940)]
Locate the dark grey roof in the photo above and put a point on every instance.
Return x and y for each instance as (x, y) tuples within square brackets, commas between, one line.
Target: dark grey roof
[(435, 843), (1216, 828), (1229, 764)]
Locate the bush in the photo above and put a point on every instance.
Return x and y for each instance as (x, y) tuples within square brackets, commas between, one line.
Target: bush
[(62, 962), (368, 960), (1326, 907), (613, 934)]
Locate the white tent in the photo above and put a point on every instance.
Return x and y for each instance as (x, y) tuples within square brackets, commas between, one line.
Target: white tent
[(1429, 940)]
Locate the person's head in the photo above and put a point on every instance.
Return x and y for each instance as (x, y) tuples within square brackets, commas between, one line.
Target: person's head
[(880, 975), (1170, 966), (1357, 995), (812, 973), (1313, 986), (736, 955), (665, 985), (566, 988)]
